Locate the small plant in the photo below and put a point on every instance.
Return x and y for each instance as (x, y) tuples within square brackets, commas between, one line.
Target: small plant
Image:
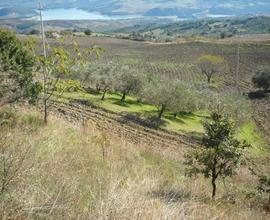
[(264, 186), (264, 183)]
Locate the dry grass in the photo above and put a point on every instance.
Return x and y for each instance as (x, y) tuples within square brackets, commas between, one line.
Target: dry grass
[(74, 172)]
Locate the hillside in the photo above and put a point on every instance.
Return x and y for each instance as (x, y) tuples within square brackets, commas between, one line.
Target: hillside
[(207, 27), (112, 125), (71, 170), (152, 29)]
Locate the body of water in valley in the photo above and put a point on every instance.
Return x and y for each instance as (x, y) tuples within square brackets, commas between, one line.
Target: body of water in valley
[(78, 14)]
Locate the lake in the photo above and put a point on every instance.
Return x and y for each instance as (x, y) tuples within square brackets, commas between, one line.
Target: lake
[(78, 14)]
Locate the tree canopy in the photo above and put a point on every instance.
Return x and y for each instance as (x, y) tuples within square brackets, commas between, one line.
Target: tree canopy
[(16, 70), (211, 65), (220, 153), (262, 78), (126, 81)]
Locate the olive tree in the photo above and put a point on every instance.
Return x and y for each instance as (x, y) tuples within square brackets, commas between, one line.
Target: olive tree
[(173, 95), (102, 77), (211, 65), (235, 105), (220, 153), (127, 81), (158, 92), (262, 78), (17, 66), (184, 98)]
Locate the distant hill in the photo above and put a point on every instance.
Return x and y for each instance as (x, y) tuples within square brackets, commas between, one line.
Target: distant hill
[(179, 8), (228, 27), (152, 29), (221, 28)]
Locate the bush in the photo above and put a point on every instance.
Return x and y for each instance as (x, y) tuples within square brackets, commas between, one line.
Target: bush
[(262, 78), (88, 32)]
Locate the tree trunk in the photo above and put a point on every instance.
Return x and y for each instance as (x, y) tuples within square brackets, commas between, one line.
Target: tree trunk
[(209, 79), (123, 97), (161, 111), (98, 88), (103, 95), (214, 188), (45, 103)]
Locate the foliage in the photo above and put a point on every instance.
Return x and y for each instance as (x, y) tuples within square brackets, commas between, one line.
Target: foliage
[(158, 92), (100, 76), (262, 78), (263, 182), (34, 32), (88, 32), (185, 98), (59, 63), (16, 68), (127, 81), (172, 95), (264, 185), (231, 103), (68, 86), (220, 153), (211, 65)]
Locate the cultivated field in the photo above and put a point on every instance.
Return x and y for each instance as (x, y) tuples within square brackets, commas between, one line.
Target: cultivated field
[(178, 61)]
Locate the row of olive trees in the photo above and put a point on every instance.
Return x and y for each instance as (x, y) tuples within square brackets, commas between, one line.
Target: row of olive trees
[(105, 77), (167, 94)]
